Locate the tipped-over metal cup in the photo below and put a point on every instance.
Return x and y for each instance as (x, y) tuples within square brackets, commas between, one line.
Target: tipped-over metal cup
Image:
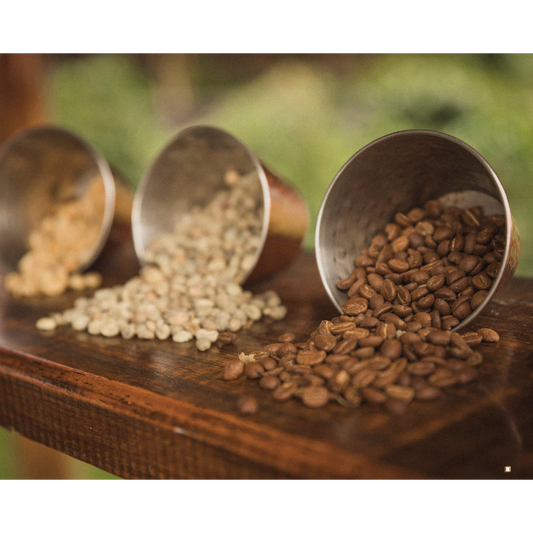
[(190, 171), (41, 168), (396, 173)]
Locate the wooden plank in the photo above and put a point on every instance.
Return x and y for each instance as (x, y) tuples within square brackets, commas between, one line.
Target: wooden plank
[(153, 409)]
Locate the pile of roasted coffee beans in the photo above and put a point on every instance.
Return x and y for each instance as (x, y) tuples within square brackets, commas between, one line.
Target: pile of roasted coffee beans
[(393, 343)]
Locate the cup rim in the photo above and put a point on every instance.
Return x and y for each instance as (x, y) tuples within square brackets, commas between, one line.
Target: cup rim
[(490, 173)]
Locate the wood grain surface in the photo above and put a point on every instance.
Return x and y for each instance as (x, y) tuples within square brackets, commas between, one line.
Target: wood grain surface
[(157, 409)]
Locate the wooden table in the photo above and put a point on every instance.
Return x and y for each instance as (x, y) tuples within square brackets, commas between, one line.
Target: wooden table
[(153, 409)]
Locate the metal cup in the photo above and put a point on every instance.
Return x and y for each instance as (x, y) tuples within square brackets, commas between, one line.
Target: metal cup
[(396, 173), (190, 170), (40, 168)]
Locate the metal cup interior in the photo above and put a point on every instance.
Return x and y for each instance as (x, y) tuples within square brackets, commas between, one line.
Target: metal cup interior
[(41, 168), (190, 171), (396, 173)]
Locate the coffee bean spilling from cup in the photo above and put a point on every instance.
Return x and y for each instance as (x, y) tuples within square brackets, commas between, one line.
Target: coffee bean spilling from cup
[(393, 342)]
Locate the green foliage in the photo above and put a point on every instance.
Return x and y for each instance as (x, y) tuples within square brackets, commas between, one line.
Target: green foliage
[(7, 462), (107, 100)]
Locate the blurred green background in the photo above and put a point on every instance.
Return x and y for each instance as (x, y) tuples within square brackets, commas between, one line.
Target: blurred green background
[(303, 115)]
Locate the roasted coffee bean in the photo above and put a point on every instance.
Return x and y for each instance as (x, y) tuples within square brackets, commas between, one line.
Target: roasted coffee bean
[(345, 346), (420, 292), (375, 302), (341, 327), (449, 322), (386, 330), (373, 395), (247, 405), (286, 348), (336, 359), (472, 338), (385, 378), (414, 258), (423, 318), (364, 352), (393, 319), (436, 282), (435, 319), (461, 284), (253, 370), (400, 392), (442, 306), (446, 294), (233, 370), (285, 391), (443, 232), (442, 377), (355, 305), (351, 397), (364, 377), (286, 337), (486, 234), (468, 263), (493, 269), (475, 359), (421, 368), (325, 371), (366, 291), (410, 337), (372, 340), (391, 348), (346, 283), (381, 309), (382, 268), (440, 337), (379, 362), (375, 281), (272, 348), (268, 363), (489, 335), (227, 337), (388, 290), (482, 281), (402, 310), (462, 310), (428, 393), (315, 396), (354, 289), (308, 357), (455, 257), (398, 265), (339, 381), (269, 382), (311, 379), (426, 302), (354, 365), (325, 342), (356, 333)]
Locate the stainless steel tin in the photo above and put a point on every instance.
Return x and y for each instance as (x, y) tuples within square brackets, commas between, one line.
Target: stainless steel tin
[(190, 170), (396, 173), (39, 168)]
